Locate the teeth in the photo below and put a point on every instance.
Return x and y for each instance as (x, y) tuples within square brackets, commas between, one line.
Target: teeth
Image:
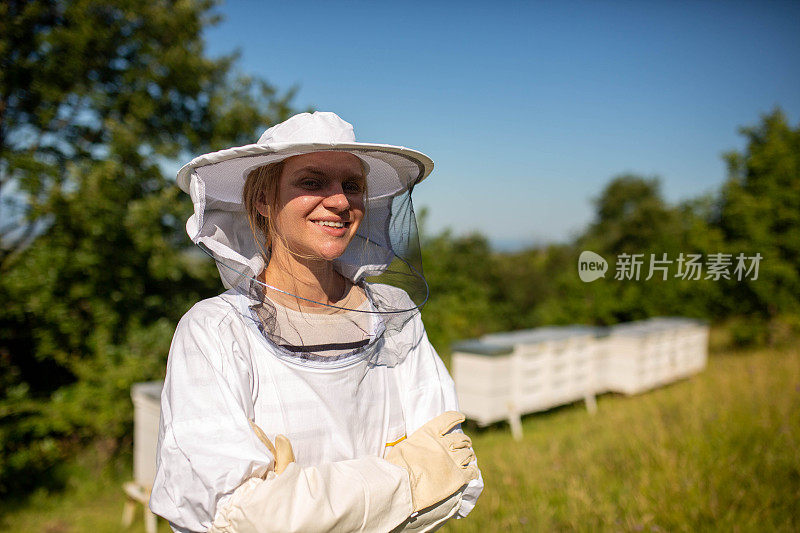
[(331, 224)]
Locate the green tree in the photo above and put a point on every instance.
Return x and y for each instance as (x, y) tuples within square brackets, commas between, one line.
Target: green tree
[(631, 217), (463, 287), (760, 213), (96, 99)]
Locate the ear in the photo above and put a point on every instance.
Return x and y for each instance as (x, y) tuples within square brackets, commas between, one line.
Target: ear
[(262, 208)]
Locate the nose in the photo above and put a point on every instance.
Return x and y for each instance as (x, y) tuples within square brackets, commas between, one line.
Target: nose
[(336, 200)]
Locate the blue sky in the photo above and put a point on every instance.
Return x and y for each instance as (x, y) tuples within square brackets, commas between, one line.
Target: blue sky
[(529, 109)]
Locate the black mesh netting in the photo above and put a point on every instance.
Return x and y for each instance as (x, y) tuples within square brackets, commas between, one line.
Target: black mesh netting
[(382, 266)]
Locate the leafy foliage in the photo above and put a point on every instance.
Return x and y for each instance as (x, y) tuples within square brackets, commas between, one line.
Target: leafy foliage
[(95, 99), (464, 288), (760, 212)]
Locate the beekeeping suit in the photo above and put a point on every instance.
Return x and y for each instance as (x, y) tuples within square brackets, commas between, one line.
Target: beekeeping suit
[(234, 364)]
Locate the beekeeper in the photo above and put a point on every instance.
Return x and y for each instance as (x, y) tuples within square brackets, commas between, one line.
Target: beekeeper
[(307, 396)]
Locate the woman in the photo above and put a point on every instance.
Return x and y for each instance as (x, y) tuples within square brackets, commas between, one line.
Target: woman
[(316, 346)]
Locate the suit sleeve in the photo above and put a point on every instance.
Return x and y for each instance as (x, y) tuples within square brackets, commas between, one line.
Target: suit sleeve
[(428, 390)]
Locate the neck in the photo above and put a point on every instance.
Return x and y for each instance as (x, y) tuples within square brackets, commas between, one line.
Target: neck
[(313, 279)]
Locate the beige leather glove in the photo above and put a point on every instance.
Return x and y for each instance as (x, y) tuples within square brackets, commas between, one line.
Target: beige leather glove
[(282, 450), (437, 462)]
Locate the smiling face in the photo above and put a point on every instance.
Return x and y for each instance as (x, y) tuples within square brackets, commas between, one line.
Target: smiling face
[(319, 204)]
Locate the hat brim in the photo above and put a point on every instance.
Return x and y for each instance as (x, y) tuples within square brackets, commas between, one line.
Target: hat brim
[(391, 169)]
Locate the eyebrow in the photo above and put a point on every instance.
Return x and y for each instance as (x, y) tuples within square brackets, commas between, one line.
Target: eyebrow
[(316, 170)]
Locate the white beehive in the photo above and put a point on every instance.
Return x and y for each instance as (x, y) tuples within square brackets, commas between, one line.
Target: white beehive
[(483, 376), (146, 412), (502, 376), (552, 365), (639, 356)]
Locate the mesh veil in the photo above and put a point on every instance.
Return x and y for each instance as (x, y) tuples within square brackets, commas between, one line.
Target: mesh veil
[(383, 262)]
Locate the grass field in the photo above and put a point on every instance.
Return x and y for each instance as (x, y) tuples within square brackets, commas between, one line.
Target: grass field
[(720, 451)]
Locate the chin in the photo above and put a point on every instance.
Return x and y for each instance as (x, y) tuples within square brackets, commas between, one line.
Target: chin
[(330, 255)]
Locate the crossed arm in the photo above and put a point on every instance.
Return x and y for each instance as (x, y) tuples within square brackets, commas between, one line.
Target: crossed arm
[(434, 466)]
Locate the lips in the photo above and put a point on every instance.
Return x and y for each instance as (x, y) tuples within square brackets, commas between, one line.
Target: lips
[(332, 227), (331, 223)]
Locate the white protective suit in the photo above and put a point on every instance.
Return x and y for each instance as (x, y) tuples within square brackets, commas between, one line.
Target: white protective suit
[(222, 371), (340, 414)]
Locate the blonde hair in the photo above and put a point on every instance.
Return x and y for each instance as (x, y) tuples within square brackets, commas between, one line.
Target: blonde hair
[(261, 188)]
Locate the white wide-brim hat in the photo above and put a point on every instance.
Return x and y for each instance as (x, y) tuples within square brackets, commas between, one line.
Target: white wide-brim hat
[(220, 226), (390, 169)]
